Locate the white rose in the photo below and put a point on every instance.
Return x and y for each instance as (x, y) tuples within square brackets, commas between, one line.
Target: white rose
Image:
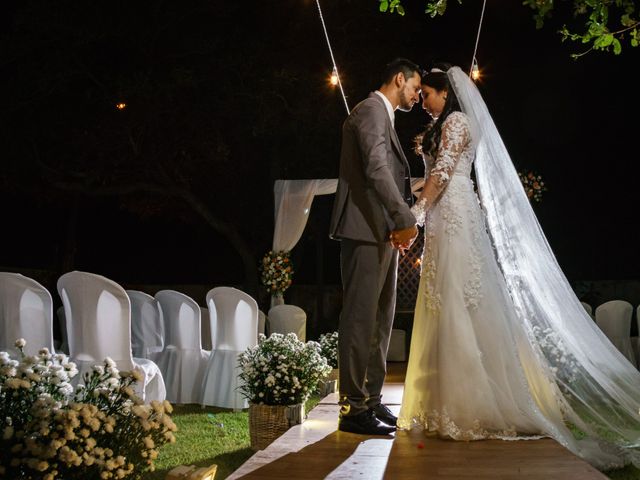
[(20, 343)]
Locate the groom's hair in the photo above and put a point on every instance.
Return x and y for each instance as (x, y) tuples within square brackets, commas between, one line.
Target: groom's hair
[(400, 65)]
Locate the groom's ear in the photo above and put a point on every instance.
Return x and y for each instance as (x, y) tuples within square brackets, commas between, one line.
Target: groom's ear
[(399, 80)]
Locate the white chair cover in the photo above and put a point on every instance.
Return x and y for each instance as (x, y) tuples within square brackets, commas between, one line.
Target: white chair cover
[(286, 319), (182, 361), (588, 308), (614, 319), (98, 317), (205, 329), (147, 327), (635, 341), (26, 311), (262, 322), (234, 323), (62, 323)]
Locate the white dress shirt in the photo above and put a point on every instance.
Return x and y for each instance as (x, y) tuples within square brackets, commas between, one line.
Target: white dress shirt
[(387, 104)]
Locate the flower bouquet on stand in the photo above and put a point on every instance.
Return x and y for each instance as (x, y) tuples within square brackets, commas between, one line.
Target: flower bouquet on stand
[(276, 273), (329, 350), (277, 376), (51, 430)]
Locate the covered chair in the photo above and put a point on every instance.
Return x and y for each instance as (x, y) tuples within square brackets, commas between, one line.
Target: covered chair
[(262, 322), (588, 308), (147, 327), (205, 329), (234, 323), (26, 311), (614, 319), (286, 319), (182, 361), (98, 317), (62, 323)]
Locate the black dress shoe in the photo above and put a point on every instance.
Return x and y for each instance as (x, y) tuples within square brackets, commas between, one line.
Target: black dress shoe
[(364, 423), (383, 413)]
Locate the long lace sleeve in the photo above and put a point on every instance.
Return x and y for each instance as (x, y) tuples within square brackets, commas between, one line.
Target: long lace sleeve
[(455, 137)]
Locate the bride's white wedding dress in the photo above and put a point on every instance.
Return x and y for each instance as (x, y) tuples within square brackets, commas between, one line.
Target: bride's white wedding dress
[(501, 348), (464, 377)]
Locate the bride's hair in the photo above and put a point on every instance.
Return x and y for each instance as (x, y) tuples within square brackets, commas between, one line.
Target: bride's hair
[(428, 141)]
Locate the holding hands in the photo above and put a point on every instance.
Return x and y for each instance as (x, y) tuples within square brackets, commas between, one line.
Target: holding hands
[(404, 238)]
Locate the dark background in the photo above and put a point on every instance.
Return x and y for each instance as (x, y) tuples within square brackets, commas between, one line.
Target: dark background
[(223, 98)]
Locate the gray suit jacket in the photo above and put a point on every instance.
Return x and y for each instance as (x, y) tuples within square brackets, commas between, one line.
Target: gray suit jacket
[(370, 199)]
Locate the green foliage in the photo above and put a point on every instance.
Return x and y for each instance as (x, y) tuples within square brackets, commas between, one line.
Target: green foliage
[(607, 23)]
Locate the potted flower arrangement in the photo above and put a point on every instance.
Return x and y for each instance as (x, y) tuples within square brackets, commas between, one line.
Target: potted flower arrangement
[(51, 430), (276, 273), (277, 376), (329, 350)]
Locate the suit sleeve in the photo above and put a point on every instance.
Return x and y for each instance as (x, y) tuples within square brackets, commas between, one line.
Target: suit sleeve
[(370, 126)]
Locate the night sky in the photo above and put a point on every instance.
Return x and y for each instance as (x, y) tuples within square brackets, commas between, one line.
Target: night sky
[(224, 99)]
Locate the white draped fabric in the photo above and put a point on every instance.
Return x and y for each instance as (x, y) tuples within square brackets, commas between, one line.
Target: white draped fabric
[(183, 360), (147, 327), (26, 311), (234, 325), (98, 316)]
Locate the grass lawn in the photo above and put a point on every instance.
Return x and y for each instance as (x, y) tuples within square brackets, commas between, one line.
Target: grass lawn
[(206, 436), (211, 435)]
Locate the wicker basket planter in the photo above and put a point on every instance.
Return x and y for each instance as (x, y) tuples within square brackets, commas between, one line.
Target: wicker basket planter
[(268, 422), (329, 384)]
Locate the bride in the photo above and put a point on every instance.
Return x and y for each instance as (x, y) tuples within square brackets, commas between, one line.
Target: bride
[(501, 347)]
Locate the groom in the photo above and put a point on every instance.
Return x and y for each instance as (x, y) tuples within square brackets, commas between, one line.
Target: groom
[(371, 207)]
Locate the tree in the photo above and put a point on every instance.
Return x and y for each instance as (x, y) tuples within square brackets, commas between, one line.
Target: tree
[(605, 24)]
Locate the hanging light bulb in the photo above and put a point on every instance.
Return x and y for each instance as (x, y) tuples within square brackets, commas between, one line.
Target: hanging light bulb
[(334, 78), (121, 106), (475, 71)]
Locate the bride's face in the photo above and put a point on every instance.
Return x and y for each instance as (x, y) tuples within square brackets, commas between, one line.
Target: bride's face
[(433, 100)]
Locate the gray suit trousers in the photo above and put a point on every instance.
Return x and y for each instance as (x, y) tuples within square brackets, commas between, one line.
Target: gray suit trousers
[(369, 273)]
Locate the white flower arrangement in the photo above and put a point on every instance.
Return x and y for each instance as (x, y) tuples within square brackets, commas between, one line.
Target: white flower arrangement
[(281, 370), (51, 430), (276, 272), (329, 348)]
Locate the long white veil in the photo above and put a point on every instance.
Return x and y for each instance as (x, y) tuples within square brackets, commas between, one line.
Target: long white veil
[(596, 389)]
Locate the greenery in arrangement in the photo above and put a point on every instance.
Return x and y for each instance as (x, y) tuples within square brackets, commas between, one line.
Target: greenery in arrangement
[(97, 430), (533, 185), (281, 370), (276, 271), (606, 23), (329, 348)]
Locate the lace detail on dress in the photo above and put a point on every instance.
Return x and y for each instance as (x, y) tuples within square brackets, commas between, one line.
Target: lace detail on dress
[(455, 138), (428, 271), (419, 211), (450, 205), (440, 422)]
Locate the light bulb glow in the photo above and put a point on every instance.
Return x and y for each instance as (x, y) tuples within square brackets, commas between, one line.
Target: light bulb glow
[(334, 78), (475, 72), (121, 106)]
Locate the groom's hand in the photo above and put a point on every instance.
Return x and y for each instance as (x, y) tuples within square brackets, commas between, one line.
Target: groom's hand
[(404, 238)]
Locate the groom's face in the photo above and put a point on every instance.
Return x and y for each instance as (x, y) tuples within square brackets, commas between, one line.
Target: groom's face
[(409, 92)]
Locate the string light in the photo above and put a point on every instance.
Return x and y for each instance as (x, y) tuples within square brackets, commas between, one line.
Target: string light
[(335, 74), (333, 80), (475, 71), (121, 106)]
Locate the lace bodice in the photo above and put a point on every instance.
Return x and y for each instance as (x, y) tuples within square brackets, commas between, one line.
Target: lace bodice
[(455, 153), (454, 158)]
